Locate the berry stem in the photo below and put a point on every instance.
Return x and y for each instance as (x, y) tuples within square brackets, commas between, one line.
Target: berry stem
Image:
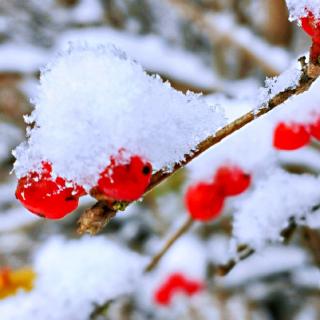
[(180, 232)]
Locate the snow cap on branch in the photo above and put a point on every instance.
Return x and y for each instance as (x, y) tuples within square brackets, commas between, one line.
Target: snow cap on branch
[(93, 101)]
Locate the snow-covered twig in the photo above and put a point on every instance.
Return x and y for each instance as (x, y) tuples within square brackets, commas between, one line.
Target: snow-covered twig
[(94, 219)]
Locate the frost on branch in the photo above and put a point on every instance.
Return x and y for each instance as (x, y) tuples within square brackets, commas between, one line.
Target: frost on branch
[(93, 101), (287, 80), (300, 8), (74, 275)]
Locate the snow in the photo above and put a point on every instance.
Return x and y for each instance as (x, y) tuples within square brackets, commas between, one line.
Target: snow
[(309, 312), (248, 148), (300, 8), (73, 275), (262, 212), (16, 218), (272, 260), (87, 11), (287, 80), (21, 58), (151, 51), (265, 212), (93, 101), (307, 277)]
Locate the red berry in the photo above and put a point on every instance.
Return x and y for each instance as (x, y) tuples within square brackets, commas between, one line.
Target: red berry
[(162, 296), (204, 201), (125, 180), (192, 287), (315, 129), (311, 26), (47, 197), (176, 283), (232, 180), (290, 136)]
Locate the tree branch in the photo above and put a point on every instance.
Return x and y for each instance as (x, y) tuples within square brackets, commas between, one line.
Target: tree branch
[(93, 220), (181, 231)]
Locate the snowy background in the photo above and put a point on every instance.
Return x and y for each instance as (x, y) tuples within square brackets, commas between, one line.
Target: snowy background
[(78, 66)]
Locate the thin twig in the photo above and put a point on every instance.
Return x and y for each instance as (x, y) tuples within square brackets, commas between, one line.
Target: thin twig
[(99, 215), (182, 230), (245, 251)]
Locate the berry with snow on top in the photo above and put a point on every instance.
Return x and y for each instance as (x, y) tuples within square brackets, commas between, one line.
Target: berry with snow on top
[(204, 201), (311, 25), (48, 197), (125, 178), (290, 136)]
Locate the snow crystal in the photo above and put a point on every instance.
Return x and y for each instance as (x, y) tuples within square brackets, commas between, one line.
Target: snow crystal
[(93, 101), (287, 80), (72, 276), (300, 8), (265, 212)]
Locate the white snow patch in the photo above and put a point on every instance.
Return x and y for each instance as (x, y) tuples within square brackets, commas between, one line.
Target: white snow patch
[(93, 101), (72, 276)]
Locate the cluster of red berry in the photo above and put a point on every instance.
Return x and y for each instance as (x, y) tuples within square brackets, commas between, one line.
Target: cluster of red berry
[(54, 198), (205, 201), (176, 283), (292, 136), (311, 25)]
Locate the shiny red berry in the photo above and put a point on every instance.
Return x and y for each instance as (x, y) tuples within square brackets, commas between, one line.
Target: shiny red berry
[(48, 197), (290, 136), (311, 26), (125, 179), (232, 180), (176, 283), (204, 201), (315, 128)]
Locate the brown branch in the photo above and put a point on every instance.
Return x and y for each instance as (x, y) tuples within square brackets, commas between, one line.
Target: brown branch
[(311, 238), (224, 269), (181, 231), (101, 213), (245, 251)]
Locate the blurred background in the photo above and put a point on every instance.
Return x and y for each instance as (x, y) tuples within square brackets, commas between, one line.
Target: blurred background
[(223, 48)]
